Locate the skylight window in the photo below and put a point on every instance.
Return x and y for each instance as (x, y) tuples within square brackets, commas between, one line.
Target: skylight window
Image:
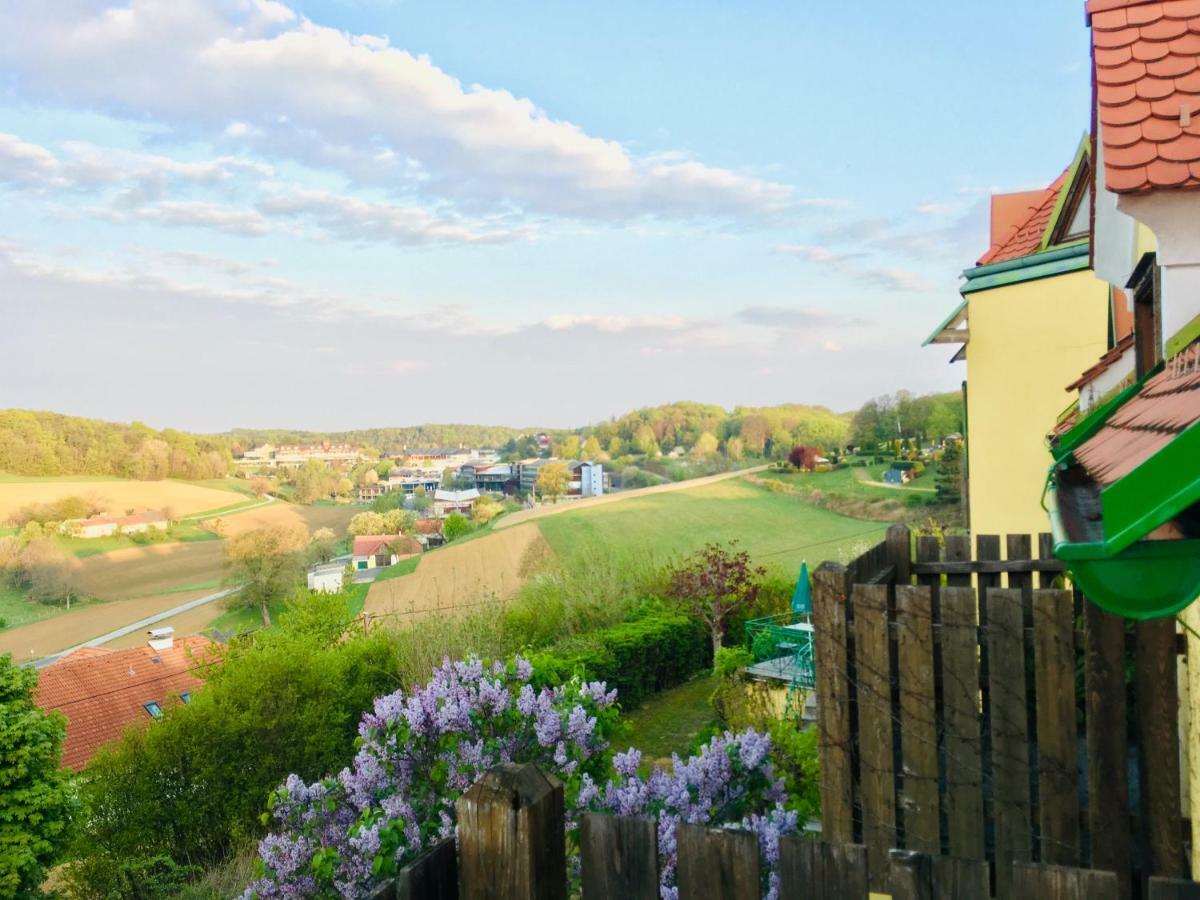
[(186, 696), (153, 709)]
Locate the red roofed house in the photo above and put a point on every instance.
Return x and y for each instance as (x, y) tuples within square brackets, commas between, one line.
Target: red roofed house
[(102, 692), (1032, 313), (104, 525), (373, 551), (1125, 492)]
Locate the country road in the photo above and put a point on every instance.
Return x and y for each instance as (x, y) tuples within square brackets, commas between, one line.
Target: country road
[(528, 515)]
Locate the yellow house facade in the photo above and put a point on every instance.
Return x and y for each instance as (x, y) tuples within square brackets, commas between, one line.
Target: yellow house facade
[(1032, 314)]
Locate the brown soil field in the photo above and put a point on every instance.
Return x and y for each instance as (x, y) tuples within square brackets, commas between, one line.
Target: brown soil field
[(74, 627), (193, 621), (179, 497), (280, 513), (487, 568), (142, 571), (552, 509)]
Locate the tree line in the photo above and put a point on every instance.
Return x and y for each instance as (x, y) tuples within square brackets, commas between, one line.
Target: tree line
[(905, 416)]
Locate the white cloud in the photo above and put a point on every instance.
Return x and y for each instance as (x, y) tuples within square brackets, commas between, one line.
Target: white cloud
[(613, 324), (245, 222), (256, 74)]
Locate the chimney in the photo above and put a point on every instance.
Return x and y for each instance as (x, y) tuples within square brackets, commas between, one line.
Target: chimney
[(161, 638), (1145, 284)]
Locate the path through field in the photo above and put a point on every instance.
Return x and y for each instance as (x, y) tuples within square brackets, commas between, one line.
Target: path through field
[(457, 576), (43, 638), (566, 506)]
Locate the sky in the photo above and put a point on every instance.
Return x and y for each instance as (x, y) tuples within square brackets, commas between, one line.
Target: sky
[(333, 214)]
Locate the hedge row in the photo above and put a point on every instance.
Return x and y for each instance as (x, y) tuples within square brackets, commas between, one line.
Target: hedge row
[(638, 658)]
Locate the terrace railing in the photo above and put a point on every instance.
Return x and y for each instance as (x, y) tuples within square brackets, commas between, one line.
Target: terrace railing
[(782, 647)]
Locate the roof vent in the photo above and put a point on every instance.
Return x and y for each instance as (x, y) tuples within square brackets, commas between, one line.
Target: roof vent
[(161, 639), (1185, 115)]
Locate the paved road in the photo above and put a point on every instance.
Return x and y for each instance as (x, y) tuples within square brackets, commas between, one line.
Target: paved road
[(527, 515), (135, 626)]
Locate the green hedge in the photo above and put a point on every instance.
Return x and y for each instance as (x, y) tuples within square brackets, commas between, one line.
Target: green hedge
[(638, 658)]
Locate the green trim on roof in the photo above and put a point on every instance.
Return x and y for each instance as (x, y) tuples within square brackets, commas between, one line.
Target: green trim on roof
[(1184, 337), (1059, 261), (945, 322), (1083, 152)]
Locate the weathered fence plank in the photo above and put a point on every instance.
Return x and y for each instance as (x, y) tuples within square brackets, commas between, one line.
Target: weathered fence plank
[(431, 876), (918, 721), (1158, 741), (919, 876), (1062, 883), (1054, 666), (1173, 889), (960, 699), (929, 551), (833, 702), (717, 864), (619, 857), (816, 870), (512, 837), (1009, 734), (899, 551), (877, 782), (958, 550), (1107, 744)]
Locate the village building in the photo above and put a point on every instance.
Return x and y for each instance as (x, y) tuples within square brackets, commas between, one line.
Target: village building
[(327, 578), (446, 502), (587, 479), (99, 526), (442, 458), (377, 551), (1032, 314), (102, 692), (295, 455), (495, 478)]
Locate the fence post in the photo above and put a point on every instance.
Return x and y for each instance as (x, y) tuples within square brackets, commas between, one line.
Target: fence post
[(431, 876), (512, 838), (1158, 740), (717, 864), (912, 875), (899, 551), (833, 702), (619, 857)]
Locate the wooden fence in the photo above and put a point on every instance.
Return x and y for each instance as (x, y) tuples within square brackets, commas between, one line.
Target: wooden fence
[(966, 710), (511, 846)]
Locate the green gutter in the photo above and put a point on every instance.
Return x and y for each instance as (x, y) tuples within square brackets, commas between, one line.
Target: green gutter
[(1023, 262), (950, 318)]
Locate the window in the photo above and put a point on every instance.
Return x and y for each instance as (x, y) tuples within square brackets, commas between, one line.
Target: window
[(153, 709), (186, 696)]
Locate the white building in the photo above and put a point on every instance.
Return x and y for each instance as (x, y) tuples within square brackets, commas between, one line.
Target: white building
[(326, 578)]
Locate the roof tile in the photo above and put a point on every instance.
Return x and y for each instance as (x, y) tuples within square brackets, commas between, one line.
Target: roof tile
[(1027, 237), (1163, 70)]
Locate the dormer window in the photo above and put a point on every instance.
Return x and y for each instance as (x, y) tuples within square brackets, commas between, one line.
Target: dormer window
[(154, 710)]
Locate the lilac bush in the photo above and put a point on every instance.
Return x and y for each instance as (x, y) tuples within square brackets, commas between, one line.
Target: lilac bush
[(730, 783), (419, 751)]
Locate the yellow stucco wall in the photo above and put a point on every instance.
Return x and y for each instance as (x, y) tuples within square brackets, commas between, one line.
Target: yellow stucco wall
[(1028, 342)]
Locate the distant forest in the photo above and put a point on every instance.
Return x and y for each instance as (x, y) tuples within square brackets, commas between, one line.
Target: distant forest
[(44, 443)]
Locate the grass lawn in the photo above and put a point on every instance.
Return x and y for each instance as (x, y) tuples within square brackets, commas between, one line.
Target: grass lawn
[(404, 567), (851, 483), (243, 618), (778, 529), (16, 610), (82, 548), (668, 722)]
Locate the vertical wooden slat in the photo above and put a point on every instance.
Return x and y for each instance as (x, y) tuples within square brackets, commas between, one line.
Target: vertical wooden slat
[(431, 876), (833, 702), (958, 549), (1173, 889), (1107, 744), (918, 720), (1158, 742), (929, 550), (1054, 666), (1061, 883), (919, 876), (1019, 546), (875, 757), (1009, 734), (899, 551), (619, 857), (912, 875), (960, 699), (716, 864), (816, 870), (987, 548), (1046, 578)]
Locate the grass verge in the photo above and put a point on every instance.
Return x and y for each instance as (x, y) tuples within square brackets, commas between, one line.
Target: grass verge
[(669, 721)]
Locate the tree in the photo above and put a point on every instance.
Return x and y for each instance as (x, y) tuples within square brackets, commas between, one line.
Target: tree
[(38, 804), (455, 526), (705, 447), (486, 509), (260, 486), (715, 583), (949, 479), (314, 481), (804, 458), (268, 563), (754, 433), (644, 441), (591, 450), (368, 523), (615, 447), (552, 480), (323, 545), (735, 449)]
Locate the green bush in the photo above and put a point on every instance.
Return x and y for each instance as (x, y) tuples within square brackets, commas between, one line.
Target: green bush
[(638, 658)]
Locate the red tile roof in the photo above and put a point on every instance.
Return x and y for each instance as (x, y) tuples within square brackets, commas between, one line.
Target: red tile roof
[(370, 544), (1024, 235), (1165, 406), (428, 526), (1147, 68), (1103, 364), (103, 692)]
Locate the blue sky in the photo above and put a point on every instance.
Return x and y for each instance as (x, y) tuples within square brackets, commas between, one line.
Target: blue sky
[(217, 213)]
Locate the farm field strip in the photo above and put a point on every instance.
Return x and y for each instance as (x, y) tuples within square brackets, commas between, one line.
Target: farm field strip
[(181, 497)]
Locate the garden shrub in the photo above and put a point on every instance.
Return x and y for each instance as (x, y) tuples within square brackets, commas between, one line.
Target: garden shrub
[(638, 658)]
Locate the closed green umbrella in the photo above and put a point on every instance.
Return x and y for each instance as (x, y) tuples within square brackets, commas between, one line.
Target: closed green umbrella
[(802, 599)]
